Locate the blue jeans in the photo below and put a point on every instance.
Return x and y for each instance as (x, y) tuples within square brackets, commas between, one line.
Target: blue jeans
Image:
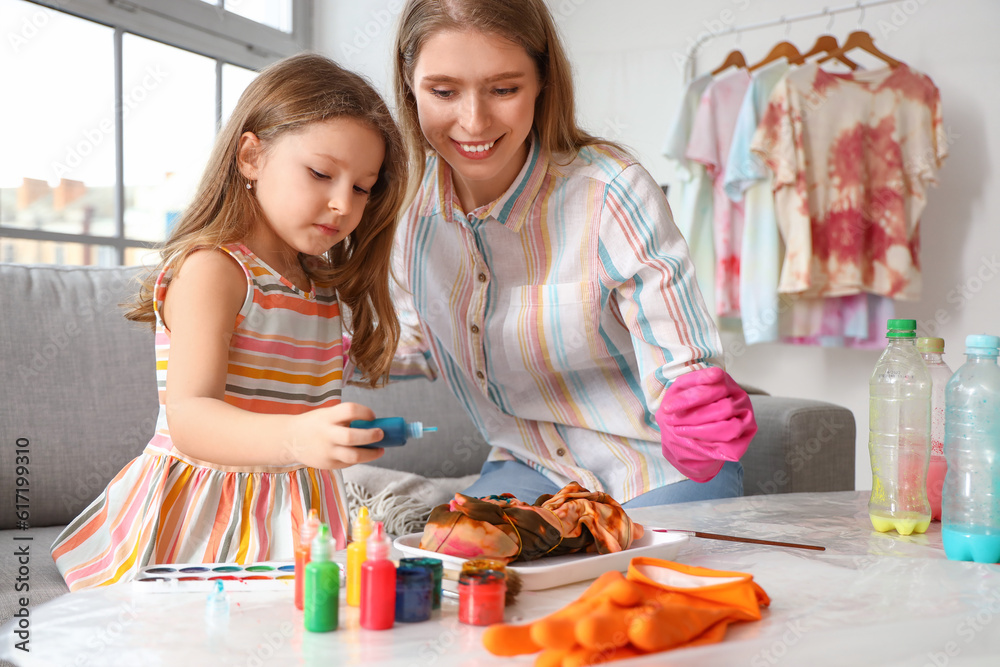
[(526, 484)]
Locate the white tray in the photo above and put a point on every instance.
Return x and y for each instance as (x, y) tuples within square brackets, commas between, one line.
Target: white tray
[(560, 570)]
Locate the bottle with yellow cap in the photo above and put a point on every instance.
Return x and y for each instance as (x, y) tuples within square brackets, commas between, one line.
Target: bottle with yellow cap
[(356, 555)]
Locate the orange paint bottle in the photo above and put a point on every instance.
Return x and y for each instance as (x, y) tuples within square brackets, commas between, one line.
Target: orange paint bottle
[(306, 534)]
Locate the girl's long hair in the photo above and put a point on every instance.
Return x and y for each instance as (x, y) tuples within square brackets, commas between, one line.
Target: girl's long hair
[(285, 97), (524, 22)]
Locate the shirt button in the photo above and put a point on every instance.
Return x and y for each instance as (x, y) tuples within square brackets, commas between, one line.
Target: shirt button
[(561, 452), (475, 329), (479, 374), (482, 277)]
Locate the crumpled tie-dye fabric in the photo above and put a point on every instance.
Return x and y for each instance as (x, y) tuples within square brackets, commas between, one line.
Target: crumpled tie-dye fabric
[(503, 527)]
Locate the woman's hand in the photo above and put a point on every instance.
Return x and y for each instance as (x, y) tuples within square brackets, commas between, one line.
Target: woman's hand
[(705, 419), (323, 439)]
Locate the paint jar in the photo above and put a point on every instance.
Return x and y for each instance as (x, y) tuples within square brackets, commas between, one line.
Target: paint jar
[(474, 564), (436, 566), (481, 597), (414, 593)]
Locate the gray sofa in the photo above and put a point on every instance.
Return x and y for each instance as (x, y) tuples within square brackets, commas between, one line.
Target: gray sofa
[(78, 401)]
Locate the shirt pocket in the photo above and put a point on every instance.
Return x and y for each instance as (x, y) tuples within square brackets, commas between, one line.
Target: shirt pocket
[(553, 328)]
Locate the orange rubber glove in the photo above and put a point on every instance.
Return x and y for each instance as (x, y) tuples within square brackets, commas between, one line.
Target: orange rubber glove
[(660, 605)]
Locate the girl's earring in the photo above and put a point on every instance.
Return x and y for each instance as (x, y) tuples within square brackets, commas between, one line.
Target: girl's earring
[(249, 185)]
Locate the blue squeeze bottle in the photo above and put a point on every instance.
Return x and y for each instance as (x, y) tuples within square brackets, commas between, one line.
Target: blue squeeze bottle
[(395, 430)]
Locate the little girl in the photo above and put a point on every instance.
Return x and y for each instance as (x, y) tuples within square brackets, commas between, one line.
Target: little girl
[(293, 221)]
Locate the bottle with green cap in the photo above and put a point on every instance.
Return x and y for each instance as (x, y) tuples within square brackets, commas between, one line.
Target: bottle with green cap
[(899, 434), (322, 585), (970, 516), (932, 350)]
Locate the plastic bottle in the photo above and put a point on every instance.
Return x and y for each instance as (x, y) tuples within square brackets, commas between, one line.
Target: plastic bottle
[(322, 585), (306, 534), (356, 555), (378, 583), (931, 350), (395, 430), (899, 435), (217, 609), (970, 521)]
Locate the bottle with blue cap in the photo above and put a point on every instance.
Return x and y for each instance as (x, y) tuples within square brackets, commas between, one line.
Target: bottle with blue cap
[(899, 434), (970, 512), (395, 430)]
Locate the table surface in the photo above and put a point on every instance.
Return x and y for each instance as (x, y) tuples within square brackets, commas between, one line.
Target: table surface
[(869, 599)]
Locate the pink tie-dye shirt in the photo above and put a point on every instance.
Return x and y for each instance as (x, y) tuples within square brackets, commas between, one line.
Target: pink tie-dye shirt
[(852, 155), (711, 137)]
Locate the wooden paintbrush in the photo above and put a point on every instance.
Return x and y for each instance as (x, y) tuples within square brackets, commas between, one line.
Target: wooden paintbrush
[(733, 538)]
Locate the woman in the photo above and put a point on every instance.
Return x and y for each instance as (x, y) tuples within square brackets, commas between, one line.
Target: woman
[(544, 277)]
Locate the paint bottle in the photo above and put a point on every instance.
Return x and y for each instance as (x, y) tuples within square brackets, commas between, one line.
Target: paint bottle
[(322, 585), (436, 567), (481, 596), (396, 431), (306, 534), (217, 609), (378, 583), (414, 593), (356, 555)]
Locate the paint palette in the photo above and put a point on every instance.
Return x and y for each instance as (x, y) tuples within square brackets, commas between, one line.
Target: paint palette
[(192, 577)]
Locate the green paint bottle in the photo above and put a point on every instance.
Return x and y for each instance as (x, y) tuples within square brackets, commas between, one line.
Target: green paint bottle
[(322, 585)]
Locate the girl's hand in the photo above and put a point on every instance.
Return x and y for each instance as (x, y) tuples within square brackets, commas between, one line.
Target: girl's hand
[(322, 438)]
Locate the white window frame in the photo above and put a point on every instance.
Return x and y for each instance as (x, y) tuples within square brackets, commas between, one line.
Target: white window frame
[(195, 26), (199, 27)]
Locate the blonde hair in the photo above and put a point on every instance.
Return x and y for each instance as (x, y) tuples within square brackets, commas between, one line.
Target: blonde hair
[(524, 22), (285, 97)]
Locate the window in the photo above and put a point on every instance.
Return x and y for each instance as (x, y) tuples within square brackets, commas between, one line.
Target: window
[(111, 111)]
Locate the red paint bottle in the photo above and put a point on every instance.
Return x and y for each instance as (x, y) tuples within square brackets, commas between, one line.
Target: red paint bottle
[(378, 583)]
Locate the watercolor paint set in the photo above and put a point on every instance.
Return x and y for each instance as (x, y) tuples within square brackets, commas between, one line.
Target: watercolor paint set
[(192, 577)]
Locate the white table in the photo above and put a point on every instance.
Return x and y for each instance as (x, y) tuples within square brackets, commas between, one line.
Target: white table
[(869, 599)]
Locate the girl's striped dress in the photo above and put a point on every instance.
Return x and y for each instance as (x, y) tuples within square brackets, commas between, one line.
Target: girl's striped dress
[(165, 507)]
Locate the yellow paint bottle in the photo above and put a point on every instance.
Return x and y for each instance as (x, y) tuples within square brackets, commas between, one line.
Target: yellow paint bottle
[(356, 555)]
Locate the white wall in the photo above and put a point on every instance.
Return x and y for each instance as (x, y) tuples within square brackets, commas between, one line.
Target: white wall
[(626, 56)]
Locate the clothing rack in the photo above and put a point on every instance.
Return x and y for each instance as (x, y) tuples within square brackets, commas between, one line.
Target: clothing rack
[(690, 60)]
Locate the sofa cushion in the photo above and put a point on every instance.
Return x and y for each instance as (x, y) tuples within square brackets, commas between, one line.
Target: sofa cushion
[(77, 390)]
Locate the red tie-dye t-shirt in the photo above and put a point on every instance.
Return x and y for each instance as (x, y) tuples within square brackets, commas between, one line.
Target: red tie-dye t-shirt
[(852, 155)]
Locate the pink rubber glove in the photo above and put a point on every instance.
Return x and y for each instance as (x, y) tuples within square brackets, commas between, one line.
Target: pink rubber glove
[(705, 419)]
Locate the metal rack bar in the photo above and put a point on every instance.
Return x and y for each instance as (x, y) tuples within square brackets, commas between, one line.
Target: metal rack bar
[(689, 69)]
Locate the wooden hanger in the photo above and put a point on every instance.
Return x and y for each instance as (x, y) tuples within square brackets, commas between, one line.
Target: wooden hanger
[(734, 59), (785, 50), (828, 44), (859, 39)]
